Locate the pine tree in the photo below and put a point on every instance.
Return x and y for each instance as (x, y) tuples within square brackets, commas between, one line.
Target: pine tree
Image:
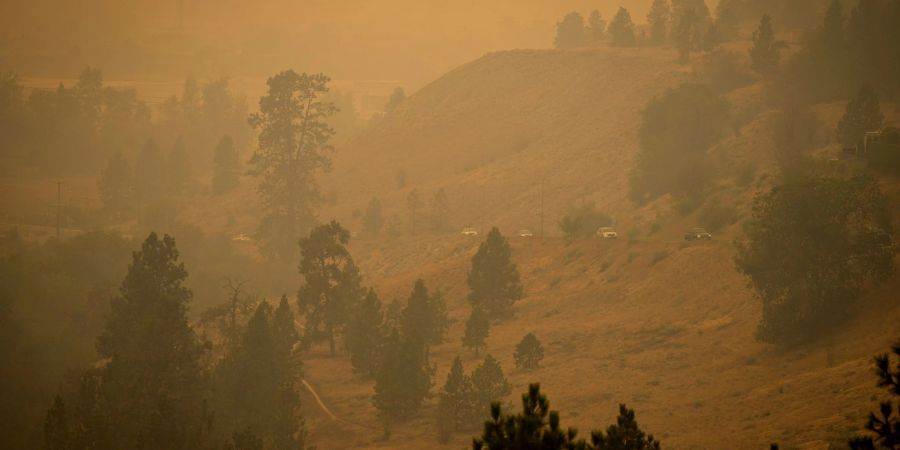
[(596, 29), (425, 316), (256, 388), (621, 29), (766, 51), (373, 219), (624, 435), (537, 427), (115, 184), (494, 279), (456, 401), (490, 384), (863, 114), (327, 267), (659, 18), (293, 146), (570, 32), (153, 382), (529, 352), (57, 435), (365, 335), (403, 379), (478, 326), (227, 169), (686, 38), (284, 329), (884, 425)]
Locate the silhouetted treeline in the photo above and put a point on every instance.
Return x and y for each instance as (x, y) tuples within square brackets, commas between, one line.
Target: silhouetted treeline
[(76, 129)]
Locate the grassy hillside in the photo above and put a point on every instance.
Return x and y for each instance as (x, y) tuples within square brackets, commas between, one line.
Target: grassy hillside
[(664, 326)]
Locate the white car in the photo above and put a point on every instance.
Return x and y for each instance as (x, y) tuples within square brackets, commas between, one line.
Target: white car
[(607, 233), (469, 231), (525, 233), (241, 237)]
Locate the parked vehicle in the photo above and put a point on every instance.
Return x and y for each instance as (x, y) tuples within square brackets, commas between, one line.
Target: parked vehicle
[(469, 231), (697, 233), (525, 233), (607, 233)]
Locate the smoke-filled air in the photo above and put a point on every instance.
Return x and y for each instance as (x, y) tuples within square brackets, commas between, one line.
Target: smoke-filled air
[(416, 225)]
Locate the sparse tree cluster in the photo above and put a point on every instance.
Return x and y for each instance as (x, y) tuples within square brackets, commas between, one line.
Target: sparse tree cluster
[(464, 398)]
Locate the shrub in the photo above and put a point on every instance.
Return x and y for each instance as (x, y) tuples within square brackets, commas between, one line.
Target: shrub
[(583, 221)]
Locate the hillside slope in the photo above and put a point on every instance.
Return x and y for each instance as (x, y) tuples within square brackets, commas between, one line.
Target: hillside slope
[(666, 327), (492, 131)]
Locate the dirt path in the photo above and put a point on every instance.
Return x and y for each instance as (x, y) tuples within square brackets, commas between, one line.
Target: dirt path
[(327, 411)]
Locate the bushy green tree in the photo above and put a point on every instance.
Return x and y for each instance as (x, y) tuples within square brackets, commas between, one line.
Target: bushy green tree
[(365, 334), (659, 18), (293, 146), (493, 280), (403, 379), (812, 246), (529, 352), (583, 221), (570, 32), (596, 28), (621, 29), (227, 166), (766, 51), (284, 328), (327, 268), (255, 382), (489, 383), (863, 114), (677, 129), (456, 401), (884, 426), (478, 326), (153, 384), (686, 34), (425, 316)]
